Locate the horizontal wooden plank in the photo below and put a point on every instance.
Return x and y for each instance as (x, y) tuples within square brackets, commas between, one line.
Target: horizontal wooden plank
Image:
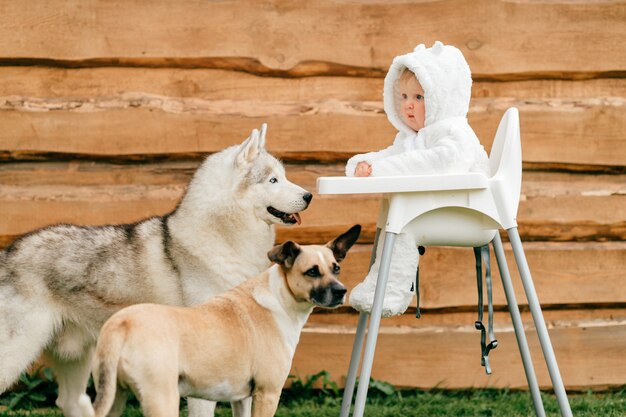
[(347, 317), (561, 230), (529, 231), (498, 37), (588, 353), (563, 273), (568, 131), (81, 173), (89, 83), (554, 206), (203, 84)]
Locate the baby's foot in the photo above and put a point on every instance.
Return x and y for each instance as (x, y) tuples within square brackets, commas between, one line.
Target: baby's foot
[(396, 300), (396, 303), (362, 296)]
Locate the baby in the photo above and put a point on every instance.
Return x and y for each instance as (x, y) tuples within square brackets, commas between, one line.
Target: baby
[(426, 97)]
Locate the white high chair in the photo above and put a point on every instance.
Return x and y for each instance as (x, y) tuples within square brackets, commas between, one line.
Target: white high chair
[(452, 210)]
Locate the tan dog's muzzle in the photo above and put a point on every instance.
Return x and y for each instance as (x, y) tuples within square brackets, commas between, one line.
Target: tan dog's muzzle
[(329, 296)]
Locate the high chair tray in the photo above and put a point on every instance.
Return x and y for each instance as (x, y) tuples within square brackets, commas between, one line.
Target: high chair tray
[(401, 184)]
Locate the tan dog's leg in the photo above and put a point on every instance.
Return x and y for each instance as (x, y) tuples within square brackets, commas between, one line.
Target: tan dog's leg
[(264, 404), (200, 408), (160, 399), (242, 408)]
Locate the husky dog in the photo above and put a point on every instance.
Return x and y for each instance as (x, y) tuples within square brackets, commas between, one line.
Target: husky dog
[(58, 285), (236, 345)]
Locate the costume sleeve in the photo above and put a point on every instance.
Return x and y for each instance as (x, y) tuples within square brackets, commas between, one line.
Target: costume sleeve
[(370, 158), (444, 156)]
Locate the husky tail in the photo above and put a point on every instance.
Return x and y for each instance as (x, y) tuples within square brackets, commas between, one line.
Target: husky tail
[(26, 326), (21, 343), (108, 354)]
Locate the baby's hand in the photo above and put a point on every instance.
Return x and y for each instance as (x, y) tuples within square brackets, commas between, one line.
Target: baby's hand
[(363, 169)]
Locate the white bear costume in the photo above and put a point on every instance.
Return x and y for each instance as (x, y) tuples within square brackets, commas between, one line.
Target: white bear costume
[(446, 144)]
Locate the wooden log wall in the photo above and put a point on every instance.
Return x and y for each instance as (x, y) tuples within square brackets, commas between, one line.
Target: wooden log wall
[(107, 107)]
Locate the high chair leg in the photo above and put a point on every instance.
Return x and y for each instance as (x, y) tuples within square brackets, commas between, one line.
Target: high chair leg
[(348, 392), (540, 324), (518, 325), (354, 365), (372, 332)]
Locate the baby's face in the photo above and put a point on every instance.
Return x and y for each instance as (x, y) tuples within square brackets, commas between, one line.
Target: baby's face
[(412, 103)]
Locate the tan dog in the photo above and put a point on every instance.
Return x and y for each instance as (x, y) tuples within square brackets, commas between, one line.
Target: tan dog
[(237, 345)]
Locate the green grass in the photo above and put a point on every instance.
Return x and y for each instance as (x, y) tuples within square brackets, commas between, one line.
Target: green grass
[(319, 396), (479, 403)]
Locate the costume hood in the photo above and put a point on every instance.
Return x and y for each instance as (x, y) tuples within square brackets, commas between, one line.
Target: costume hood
[(443, 74)]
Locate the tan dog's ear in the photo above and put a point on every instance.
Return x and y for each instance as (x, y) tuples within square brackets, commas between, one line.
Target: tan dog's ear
[(284, 254), (343, 243)]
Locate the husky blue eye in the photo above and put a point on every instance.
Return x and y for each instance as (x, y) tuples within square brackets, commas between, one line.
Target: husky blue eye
[(273, 180)]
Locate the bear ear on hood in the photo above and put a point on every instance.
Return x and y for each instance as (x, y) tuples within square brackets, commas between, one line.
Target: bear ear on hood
[(419, 47), (437, 48)]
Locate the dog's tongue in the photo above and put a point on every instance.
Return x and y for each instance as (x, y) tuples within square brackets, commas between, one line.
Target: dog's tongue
[(297, 217)]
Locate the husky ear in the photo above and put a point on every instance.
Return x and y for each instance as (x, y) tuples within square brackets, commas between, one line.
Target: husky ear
[(262, 136), (249, 149), (284, 254), (344, 242)]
